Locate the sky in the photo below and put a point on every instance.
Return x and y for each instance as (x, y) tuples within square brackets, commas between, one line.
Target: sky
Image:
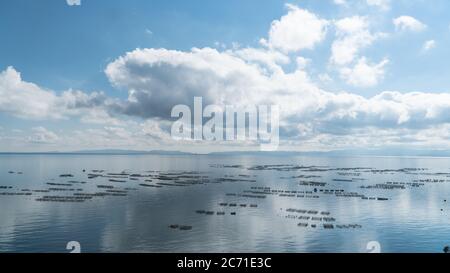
[(85, 74)]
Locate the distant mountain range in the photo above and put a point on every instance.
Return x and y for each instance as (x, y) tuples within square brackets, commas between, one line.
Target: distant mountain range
[(336, 153), (128, 152), (108, 152), (354, 152)]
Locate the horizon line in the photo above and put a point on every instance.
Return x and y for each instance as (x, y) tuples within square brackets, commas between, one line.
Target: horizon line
[(333, 153)]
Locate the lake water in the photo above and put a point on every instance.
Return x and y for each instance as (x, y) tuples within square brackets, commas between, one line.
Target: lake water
[(151, 203)]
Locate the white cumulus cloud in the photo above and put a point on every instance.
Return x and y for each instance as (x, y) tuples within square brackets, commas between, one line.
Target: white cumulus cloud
[(298, 29), (352, 35), (364, 74), (29, 101), (409, 23)]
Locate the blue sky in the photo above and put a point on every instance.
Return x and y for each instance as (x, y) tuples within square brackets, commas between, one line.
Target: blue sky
[(70, 45), (65, 50)]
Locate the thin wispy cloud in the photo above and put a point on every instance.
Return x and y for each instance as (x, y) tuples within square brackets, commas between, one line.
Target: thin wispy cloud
[(73, 2), (382, 4), (428, 45)]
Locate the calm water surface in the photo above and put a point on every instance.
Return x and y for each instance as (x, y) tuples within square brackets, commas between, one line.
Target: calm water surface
[(399, 202)]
